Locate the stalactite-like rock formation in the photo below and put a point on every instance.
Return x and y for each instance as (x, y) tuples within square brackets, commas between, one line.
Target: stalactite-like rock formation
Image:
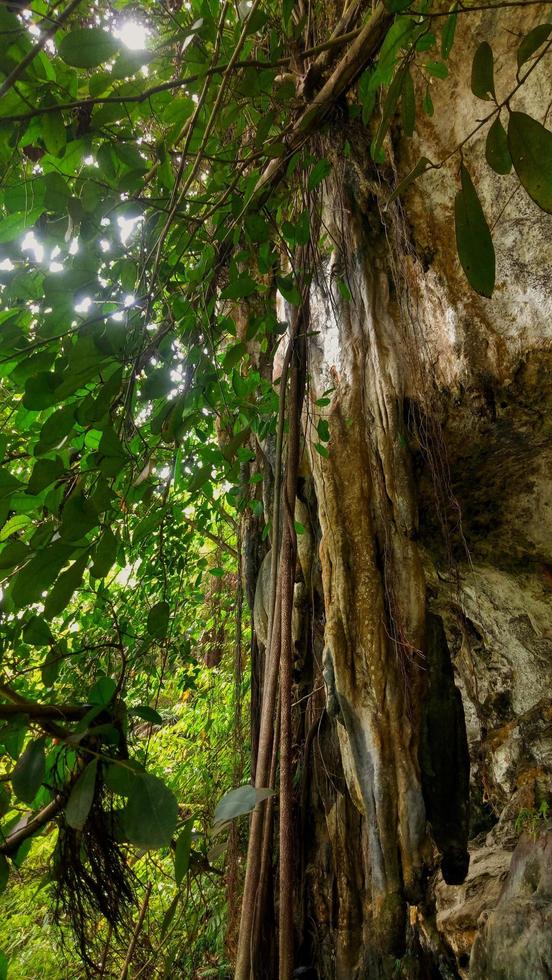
[(423, 719)]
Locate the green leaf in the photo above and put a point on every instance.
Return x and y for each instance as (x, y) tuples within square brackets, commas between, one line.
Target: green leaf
[(417, 171), (37, 632), (158, 620), (437, 68), (182, 852), (323, 430), (15, 224), (389, 107), (319, 173), (4, 963), (40, 390), (87, 47), (448, 32), (531, 151), (482, 75), (79, 517), (427, 103), (239, 801), (16, 523), (61, 594), (473, 238), (51, 666), (232, 356), (29, 772), (81, 797), (532, 42), (103, 691), (321, 450), (53, 132), (120, 776), (240, 288), (105, 554), (57, 192), (45, 472), (497, 153), (150, 816), (32, 580), (15, 553), (8, 484), (148, 714)]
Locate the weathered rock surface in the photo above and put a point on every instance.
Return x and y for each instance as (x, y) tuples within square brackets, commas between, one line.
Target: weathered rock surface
[(432, 518), (513, 942)]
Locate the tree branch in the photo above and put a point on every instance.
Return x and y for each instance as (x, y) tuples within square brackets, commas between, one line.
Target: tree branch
[(40, 819)]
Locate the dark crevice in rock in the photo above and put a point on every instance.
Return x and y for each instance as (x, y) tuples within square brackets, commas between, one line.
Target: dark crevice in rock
[(444, 757)]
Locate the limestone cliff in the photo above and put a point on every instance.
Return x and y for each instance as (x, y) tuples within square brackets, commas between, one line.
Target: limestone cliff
[(423, 723)]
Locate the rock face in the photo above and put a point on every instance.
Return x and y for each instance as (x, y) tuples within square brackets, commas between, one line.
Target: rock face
[(514, 939), (427, 617)]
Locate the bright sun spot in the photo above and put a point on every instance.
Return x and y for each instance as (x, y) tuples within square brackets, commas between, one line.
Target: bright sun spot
[(30, 244), (132, 34)]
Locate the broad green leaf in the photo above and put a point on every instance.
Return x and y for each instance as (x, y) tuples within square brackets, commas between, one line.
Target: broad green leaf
[(408, 105), (68, 581), (436, 68), (45, 472), (4, 964), (147, 714), (87, 47), (16, 523), (79, 517), (40, 390), (103, 691), (150, 816), (53, 132), (531, 151), (482, 75), (15, 553), (389, 107), (182, 852), (239, 801), (8, 483), (120, 776), (239, 288), (15, 224), (37, 576), (427, 103), (158, 620), (473, 238), (532, 42), (37, 632), (51, 666), (233, 355), (105, 554), (81, 797), (29, 772), (319, 173), (56, 192), (448, 32), (497, 153), (323, 430)]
